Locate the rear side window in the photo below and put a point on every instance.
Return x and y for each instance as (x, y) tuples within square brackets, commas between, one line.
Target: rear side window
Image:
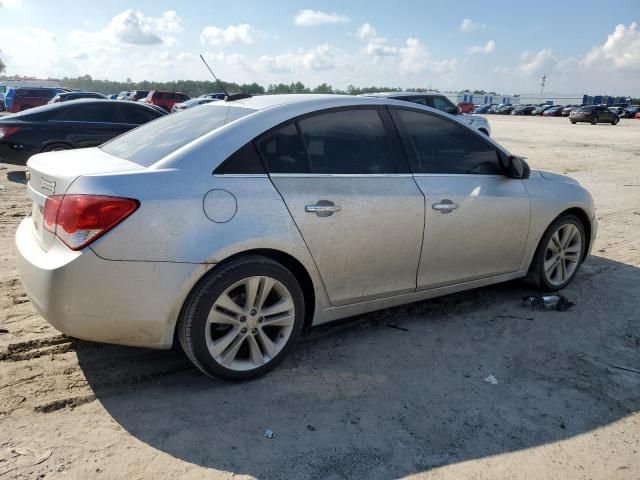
[(151, 142), (284, 151), (137, 114), (98, 112), (352, 141), (243, 161), (437, 145)]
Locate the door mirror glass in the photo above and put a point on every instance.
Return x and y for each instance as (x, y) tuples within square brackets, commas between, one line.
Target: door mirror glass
[(517, 168)]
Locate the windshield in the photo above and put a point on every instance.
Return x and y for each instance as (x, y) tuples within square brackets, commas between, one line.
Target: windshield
[(155, 140)]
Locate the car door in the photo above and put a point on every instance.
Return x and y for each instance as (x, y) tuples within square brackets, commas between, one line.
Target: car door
[(476, 219), (346, 183), (89, 124)]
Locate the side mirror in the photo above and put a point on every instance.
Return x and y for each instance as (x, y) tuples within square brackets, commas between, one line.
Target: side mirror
[(517, 168), (452, 110)]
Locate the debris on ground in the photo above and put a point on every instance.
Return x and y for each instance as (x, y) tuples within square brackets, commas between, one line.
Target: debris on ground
[(268, 433), (491, 379), (311, 428), (548, 302)]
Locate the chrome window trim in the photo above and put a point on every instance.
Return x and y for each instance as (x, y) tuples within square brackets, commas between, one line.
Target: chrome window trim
[(459, 175), (241, 175), (340, 175)]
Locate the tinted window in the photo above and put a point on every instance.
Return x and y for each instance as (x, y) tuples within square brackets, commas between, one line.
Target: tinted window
[(94, 112), (586, 109), (136, 115), (244, 161), (437, 145), (284, 152), (151, 142), (348, 142), (444, 104), (418, 100)]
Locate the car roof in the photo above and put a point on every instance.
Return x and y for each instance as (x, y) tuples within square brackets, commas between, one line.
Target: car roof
[(400, 94)]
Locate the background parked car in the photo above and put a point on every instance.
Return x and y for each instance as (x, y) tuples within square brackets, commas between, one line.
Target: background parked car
[(192, 103), (18, 99), (165, 100), (523, 110), (66, 96), (124, 95), (466, 107), (554, 111), (485, 109), (568, 109), (215, 96), (439, 102), (113, 96), (67, 125), (617, 110), (136, 95), (540, 109), (593, 114), (630, 111), (504, 109)]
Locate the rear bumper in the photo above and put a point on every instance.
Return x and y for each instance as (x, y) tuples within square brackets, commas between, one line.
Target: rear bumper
[(85, 296)]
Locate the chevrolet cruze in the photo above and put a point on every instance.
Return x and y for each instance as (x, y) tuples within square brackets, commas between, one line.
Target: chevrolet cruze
[(235, 226)]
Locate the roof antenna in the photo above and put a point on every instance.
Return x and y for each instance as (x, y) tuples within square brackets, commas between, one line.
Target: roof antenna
[(227, 97)]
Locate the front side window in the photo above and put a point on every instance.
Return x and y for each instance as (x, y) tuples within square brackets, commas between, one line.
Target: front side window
[(443, 104), (352, 141), (441, 146), (137, 114)]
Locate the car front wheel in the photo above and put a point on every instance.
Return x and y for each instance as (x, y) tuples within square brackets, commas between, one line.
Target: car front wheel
[(594, 121), (559, 254), (615, 121), (242, 319)]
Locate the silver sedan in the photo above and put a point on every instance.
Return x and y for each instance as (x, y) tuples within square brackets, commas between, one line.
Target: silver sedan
[(236, 225)]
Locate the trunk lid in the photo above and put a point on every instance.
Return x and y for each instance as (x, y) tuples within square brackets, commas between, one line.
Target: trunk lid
[(53, 173)]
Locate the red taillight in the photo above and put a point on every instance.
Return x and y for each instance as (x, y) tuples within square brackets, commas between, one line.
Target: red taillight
[(7, 131), (78, 220)]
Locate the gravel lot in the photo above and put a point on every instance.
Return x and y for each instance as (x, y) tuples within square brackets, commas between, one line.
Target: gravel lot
[(391, 394)]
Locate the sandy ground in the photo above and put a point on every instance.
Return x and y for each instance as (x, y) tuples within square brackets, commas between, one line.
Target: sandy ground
[(397, 393)]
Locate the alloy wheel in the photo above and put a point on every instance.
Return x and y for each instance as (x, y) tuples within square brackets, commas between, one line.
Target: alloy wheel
[(250, 323), (562, 256)]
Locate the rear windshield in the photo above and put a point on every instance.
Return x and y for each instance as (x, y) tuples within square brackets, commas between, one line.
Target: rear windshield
[(155, 140), (586, 109)]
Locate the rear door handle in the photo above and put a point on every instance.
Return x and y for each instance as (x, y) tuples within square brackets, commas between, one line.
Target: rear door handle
[(323, 208), (445, 206)]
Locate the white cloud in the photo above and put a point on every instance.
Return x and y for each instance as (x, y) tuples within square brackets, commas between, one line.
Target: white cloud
[(380, 50), (620, 51), (467, 25), (312, 18), (169, 22), (489, 47), (134, 28), (242, 33), (416, 58), (322, 57), (11, 3), (539, 63), (365, 31)]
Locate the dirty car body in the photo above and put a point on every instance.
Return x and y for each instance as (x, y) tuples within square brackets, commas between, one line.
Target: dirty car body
[(360, 223)]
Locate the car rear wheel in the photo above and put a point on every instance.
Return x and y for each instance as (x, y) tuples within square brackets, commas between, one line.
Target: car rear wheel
[(559, 254), (615, 121), (242, 319), (573, 122), (594, 120)]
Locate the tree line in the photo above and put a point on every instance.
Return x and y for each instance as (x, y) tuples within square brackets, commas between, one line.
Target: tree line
[(195, 88)]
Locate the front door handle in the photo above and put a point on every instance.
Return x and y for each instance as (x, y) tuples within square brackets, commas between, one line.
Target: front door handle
[(445, 206), (323, 208)]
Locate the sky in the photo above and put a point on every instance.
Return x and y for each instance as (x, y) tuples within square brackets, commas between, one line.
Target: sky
[(586, 46)]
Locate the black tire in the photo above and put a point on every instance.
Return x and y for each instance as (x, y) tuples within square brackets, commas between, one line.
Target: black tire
[(595, 120), (192, 322), (572, 122), (54, 147), (537, 275), (615, 121)]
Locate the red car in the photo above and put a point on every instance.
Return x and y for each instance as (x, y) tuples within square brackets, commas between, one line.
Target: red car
[(165, 100), (24, 98), (466, 107)]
